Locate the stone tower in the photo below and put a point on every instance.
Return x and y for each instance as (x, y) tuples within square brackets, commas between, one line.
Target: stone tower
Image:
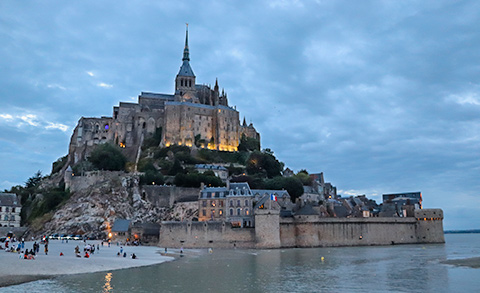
[(185, 80)]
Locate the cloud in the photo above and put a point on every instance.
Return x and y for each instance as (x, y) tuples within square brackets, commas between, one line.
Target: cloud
[(60, 126), (33, 120), (466, 99), (56, 86), (105, 85), (30, 119), (7, 117), (90, 73)]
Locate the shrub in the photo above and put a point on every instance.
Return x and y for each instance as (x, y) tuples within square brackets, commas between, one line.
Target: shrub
[(107, 157)]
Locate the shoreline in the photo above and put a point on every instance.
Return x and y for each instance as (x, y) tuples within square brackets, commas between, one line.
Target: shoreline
[(16, 270)]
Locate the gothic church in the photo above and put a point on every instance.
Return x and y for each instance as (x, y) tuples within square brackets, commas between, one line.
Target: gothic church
[(195, 115)]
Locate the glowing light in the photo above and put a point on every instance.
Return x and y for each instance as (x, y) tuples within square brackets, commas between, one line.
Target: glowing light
[(108, 287), (110, 235)]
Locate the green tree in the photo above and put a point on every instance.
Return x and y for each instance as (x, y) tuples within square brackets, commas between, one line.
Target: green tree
[(152, 178), (303, 176), (264, 163), (34, 180), (291, 184), (248, 144), (107, 157), (58, 164), (176, 168)]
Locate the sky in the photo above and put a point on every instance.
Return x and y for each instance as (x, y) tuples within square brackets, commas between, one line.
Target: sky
[(381, 96)]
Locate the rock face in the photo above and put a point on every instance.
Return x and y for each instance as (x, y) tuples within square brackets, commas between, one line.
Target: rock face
[(93, 209)]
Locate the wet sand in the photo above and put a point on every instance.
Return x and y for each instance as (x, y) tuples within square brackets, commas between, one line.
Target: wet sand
[(473, 262), (15, 270)]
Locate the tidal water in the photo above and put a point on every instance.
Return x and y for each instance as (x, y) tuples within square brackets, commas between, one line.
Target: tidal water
[(399, 268)]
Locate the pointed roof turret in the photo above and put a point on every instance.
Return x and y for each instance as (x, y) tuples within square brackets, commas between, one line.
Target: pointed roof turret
[(185, 69), (244, 121)]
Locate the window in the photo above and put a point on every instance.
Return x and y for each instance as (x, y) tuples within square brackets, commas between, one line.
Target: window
[(181, 82), (247, 212), (231, 212), (212, 212), (213, 203), (12, 218), (204, 203), (204, 213), (13, 210), (238, 212), (231, 203), (221, 203), (6, 209), (238, 202), (220, 212), (246, 202), (0, 209), (5, 218)]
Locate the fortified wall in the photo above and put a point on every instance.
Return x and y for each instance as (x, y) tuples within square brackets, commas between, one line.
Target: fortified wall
[(272, 231)]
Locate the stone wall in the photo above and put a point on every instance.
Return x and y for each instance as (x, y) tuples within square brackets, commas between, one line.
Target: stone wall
[(204, 235), (75, 183), (271, 231), (167, 196), (17, 231)]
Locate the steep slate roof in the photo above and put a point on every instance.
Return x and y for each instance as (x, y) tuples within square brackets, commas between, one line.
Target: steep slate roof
[(264, 200), (185, 69), (121, 225), (239, 185), (210, 167), (9, 200), (279, 193), (156, 96), (306, 210)]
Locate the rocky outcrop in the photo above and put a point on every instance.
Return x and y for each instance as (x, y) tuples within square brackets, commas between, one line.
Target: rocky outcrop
[(93, 209)]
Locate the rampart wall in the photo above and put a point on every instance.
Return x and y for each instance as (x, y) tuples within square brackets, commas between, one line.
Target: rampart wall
[(205, 234), (305, 231)]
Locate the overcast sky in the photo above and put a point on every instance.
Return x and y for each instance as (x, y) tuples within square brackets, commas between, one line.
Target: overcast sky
[(381, 96)]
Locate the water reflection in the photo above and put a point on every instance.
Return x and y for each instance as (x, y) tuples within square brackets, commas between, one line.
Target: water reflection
[(402, 268), (108, 287)]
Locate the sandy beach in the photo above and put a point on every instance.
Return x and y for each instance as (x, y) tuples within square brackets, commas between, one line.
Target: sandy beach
[(15, 270)]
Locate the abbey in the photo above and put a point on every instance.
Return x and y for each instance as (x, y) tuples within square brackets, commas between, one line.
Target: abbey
[(194, 115)]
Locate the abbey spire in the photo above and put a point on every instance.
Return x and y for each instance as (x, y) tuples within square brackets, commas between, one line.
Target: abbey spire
[(185, 80), (186, 53)]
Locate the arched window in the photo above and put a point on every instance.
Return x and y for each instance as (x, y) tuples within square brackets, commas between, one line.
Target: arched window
[(231, 212), (247, 212), (238, 212), (231, 203), (190, 83)]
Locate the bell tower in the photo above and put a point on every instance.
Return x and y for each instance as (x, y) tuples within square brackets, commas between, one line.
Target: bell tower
[(185, 80)]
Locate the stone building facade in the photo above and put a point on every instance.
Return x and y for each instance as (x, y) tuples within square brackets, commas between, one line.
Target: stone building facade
[(194, 115), (10, 209)]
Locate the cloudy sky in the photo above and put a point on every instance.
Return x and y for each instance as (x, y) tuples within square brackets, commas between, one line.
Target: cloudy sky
[(381, 96)]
